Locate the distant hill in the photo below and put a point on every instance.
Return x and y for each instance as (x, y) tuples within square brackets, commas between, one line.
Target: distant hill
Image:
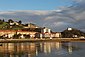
[(72, 33)]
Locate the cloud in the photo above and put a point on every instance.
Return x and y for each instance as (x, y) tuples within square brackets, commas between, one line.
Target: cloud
[(57, 20)]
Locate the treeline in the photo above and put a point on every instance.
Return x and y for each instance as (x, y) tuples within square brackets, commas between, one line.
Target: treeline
[(9, 20), (1, 21)]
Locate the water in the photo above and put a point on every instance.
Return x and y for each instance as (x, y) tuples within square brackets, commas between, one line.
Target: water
[(43, 49)]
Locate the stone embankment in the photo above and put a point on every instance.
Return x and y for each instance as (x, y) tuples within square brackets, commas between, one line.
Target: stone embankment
[(42, 40)]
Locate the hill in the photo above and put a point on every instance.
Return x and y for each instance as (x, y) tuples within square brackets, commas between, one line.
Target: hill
[(69, 33)]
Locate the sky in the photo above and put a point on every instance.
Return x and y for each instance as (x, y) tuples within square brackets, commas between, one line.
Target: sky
[(6, 5), (54, 14)]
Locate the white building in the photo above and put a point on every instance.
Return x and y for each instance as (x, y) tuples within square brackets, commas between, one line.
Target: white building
[(69, 29), (56, 34), (48, 35), (46, 30)]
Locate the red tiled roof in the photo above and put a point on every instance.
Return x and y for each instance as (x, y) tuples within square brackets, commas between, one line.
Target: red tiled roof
[(13, 31)]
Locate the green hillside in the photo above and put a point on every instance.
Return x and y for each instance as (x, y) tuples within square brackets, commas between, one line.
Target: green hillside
[(6, 26), (3, 25)]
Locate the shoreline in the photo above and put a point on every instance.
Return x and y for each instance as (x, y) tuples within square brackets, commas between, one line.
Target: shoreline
[(42, 40)]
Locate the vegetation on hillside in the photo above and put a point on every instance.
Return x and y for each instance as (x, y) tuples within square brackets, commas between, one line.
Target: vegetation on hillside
[(6, 25), (72, 33), (14, 25)]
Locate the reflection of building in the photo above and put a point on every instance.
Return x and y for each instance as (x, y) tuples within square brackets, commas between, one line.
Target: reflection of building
[(49, 46), (70, 48), (58, 45), (18, 49), (28, 49)]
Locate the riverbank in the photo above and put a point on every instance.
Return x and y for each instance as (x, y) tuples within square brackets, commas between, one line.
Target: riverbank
[(42, 40)]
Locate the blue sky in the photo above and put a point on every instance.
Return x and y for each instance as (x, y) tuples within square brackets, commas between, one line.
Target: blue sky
[(8, 5), (44, 13)]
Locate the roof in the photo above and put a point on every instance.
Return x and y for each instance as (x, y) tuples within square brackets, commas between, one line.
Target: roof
[(13, 31)]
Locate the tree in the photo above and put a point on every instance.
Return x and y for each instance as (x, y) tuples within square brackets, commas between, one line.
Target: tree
[(10, 21), (1, 21), (72, 32), (20, 22)]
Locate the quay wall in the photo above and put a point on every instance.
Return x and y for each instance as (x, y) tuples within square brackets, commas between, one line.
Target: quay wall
[(41, 40)]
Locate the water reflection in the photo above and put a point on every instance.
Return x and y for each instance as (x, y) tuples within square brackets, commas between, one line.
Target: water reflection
[(35, 49)]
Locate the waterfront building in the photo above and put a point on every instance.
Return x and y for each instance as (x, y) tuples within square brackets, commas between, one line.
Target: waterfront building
[(21, 36), (48, 35), (29, 29), (6, 32), (46, 30), (11, 33), (56, 34), (38, 35)]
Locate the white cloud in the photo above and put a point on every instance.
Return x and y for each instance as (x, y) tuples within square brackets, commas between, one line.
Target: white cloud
[(7, 12)]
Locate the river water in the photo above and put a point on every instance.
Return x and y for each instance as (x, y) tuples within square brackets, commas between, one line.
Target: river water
[(43, 49)]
